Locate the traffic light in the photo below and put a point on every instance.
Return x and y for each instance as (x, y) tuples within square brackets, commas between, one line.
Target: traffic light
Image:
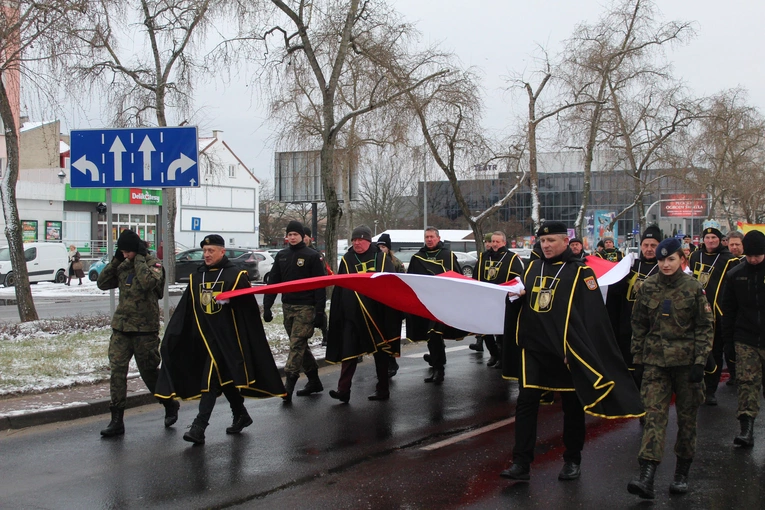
[(630, 236)]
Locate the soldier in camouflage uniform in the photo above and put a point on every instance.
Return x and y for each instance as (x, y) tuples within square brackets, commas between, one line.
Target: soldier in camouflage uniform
[(742, 326), (300, 308), (135, 325), (671, 339)]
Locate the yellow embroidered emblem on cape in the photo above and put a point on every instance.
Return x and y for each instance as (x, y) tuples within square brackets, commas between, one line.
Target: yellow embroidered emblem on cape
[(591, 283)]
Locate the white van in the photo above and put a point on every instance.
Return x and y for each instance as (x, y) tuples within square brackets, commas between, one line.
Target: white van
[(46, 262)]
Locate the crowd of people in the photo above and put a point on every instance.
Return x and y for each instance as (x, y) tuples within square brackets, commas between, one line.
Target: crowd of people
[(664, 331)]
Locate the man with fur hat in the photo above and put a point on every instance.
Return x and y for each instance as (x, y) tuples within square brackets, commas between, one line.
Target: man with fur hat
[(140, 278), (743, 327), (211, 348), (359, 325), (710, 264), (300, 309), (621, 295), (562, 328)]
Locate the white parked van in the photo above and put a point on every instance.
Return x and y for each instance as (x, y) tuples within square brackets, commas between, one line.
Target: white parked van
[(46, 262)]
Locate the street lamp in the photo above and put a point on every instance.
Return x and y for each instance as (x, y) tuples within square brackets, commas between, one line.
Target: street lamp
[(376, 221)]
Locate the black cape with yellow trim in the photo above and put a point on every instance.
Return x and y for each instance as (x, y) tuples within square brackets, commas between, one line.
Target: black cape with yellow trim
[(710, 269), (566, 339), (432, 262), (209, 340), (357, 324)]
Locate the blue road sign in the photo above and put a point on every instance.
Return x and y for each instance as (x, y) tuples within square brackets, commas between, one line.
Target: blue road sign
[(196, 223), (164, 157)]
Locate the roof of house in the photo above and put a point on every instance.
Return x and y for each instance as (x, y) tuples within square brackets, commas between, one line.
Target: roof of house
[(206, 143)]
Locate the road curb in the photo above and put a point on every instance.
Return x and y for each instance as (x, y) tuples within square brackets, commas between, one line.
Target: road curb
[(86, 409)]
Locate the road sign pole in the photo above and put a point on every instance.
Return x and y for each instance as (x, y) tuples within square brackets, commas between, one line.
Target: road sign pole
[(161, 236), (109, 242)]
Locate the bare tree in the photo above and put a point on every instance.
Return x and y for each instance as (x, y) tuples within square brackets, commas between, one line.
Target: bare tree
[(383, 186), (621, 48), (147, 86), (33, 35), (729, 152), (317, 41)]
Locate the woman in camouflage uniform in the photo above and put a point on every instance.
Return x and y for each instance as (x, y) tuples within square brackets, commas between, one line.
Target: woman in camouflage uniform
[(671, 341)]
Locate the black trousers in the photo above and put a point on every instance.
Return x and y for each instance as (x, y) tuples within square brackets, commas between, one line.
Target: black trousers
[(436, 347), (381, 368), (526, 414), (207, 402)]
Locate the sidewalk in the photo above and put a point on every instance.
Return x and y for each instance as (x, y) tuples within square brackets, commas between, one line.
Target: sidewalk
[(73, 403)]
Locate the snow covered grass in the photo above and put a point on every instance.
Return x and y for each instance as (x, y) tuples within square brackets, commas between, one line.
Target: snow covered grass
[(46, 354)]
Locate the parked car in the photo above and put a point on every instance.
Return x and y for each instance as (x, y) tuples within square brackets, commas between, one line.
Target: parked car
[(188, 261), (265, 263), (467, 262), (96, 267), (405, 256), (46, 262)]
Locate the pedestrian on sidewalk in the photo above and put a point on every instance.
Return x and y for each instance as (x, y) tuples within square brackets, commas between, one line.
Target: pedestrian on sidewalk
[(672, 333), (211, 348), (300, 309), (359, 325), (140, 278), (75, 266)]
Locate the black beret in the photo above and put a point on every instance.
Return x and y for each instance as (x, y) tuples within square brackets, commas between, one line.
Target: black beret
[(651, 232), (362, 232), (128, 241), (712, 230), (667, 247), (295, 226), (754, 243), (552, 227), (212, 240)]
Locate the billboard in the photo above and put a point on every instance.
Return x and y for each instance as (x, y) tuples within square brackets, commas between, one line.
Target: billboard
[(684, 205), (297, 176), (602, 221)]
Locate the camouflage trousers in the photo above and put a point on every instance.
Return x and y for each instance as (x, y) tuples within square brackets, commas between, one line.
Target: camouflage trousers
[(749, 378), (298, 321), (659, 383), (122, 347)]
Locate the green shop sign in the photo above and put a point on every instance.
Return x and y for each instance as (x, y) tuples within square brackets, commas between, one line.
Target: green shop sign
[(119, 195)]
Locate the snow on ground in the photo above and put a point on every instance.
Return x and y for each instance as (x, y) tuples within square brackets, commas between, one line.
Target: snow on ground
[(53, 290)]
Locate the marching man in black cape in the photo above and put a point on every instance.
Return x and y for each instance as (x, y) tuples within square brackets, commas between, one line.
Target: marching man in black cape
[(211, 348), (567, 345)]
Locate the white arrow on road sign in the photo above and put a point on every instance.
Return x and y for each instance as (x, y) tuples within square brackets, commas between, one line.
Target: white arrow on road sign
[(147, 148), (85, 166), (117, 149), (183, 163)]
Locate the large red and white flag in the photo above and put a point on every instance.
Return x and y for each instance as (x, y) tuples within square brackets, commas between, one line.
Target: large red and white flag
[(451, 298)]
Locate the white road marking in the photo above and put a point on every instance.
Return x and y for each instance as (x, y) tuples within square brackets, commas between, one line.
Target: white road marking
[(450, 349), (468, 435)]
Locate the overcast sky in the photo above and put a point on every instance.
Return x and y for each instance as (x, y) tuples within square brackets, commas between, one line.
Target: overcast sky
[(499, 37)]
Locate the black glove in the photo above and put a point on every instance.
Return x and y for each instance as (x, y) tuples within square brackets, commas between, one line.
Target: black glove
[(318, 320), (267, 315), (142, 249), (119, 256), (697, 374)]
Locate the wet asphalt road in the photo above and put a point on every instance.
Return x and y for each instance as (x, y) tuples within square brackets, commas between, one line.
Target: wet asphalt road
[(428, 447)]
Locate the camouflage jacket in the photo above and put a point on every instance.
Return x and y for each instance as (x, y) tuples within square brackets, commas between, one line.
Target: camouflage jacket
[(141, 283), (671, 322)]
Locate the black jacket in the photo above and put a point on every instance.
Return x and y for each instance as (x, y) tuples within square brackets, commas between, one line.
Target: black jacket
[(743, 305), (296, 263)]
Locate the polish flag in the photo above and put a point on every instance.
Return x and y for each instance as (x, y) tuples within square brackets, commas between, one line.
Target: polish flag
[(450, 298)]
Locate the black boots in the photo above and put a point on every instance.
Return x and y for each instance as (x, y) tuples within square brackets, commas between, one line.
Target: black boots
[(289, 385), (392, 367), (436, 375), (643, 486), (680, 484), (171, 412), (312, 386), (116, 427), (342, 397), (746, 438), (196, 433), (478, 345), (241, 420), (570, 471), (517, 472)]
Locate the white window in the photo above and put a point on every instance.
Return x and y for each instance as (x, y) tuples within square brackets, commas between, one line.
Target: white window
[(232, 170)]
